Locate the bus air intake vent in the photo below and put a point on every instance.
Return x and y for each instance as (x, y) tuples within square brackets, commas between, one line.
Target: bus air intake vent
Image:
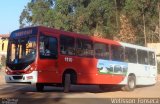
[(17, 77)]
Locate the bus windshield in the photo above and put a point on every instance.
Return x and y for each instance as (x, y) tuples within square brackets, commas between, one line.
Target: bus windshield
[(21, 52)]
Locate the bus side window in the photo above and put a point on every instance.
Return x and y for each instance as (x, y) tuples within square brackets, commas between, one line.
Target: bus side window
[(101, 51), (130, 55), (117, 53), (48, 47), (142, 57), (67, 46), (84, 48), (152, 58)]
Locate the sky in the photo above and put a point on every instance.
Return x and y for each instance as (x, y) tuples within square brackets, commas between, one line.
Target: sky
[(10, 11)]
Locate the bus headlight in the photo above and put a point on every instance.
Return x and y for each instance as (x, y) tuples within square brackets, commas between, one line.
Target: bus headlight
[(8, 70), (29, 69)]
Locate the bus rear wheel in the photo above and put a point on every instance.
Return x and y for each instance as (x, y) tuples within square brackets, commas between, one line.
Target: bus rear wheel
[(67, 83), (39, 87), (131, 84)]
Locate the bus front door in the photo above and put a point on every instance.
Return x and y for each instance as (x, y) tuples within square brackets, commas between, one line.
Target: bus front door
[(48, 56)]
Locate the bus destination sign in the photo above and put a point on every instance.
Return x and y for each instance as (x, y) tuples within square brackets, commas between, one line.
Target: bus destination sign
[(23, 32)]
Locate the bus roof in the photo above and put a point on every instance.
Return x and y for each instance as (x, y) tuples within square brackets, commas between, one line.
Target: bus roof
[(136, 46), (78, 35)]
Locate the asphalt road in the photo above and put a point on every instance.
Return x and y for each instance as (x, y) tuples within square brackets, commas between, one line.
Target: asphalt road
[(79, 93)]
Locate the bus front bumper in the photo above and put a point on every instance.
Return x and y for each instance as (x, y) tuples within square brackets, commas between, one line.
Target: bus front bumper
[(25, 78)]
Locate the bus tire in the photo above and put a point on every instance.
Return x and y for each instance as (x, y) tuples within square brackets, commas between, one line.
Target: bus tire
[(131, 84), (67, 83), (39, 87)]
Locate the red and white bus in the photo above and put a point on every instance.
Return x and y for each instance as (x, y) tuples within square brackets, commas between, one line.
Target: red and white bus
[(46, 56)]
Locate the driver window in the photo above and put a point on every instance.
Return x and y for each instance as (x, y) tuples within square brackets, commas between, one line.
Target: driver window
[(48, 47)]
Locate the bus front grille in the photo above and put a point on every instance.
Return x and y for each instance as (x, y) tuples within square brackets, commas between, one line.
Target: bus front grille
[(17, 77)]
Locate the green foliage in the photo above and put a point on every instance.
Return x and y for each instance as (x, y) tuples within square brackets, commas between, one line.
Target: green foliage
[(135, 9), (92, 16), (37, 12), (83, 16)]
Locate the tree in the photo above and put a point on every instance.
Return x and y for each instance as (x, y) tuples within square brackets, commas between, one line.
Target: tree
[(143, 15), (127, 32), (90, 17), (37, 12), (131, 21)]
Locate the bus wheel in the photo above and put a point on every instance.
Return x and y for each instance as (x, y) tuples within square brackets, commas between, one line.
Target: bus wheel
[(131, 84), (67, 83), (39, 87)]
